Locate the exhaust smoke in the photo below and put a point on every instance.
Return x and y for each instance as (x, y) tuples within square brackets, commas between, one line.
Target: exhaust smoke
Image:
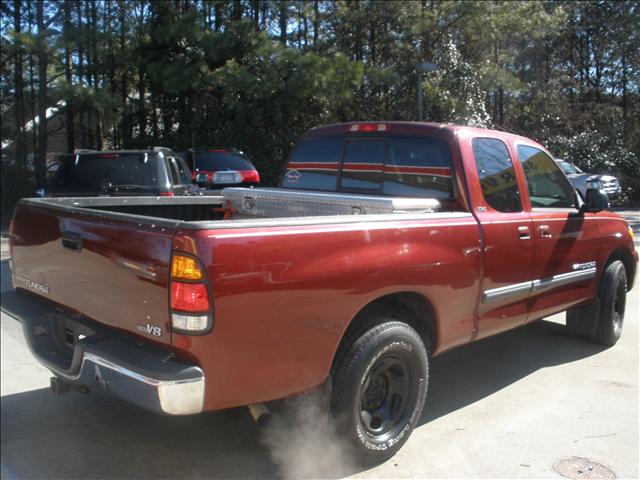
[(303, 442)]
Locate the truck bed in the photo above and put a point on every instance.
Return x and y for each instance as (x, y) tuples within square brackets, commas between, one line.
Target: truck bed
[(108, 260)]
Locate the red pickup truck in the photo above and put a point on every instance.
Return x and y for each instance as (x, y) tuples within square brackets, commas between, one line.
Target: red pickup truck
[(386, 243)]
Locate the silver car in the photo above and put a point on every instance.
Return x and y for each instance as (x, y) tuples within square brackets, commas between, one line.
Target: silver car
[(582, 180)]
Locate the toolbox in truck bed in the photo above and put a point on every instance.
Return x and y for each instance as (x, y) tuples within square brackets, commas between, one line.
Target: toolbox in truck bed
[(276, 202)]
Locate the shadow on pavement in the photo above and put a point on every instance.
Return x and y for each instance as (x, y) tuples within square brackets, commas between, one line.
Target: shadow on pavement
[(98, 436), (463, 376)]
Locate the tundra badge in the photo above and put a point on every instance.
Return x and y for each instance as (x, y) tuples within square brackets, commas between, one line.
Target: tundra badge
[(30, 284)]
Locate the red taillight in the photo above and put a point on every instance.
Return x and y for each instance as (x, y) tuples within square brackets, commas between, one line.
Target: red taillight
[(167, 194), (189, 297), (190, 302), (219, 150), (108, 155), (369, 127), (250, 176)]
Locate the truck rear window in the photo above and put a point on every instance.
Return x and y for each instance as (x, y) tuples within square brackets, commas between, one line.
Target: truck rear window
[(397, 166), (95, 172), (314, 165)]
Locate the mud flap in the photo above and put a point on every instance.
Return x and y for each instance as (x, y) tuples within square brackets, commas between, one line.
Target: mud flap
[(584, 320)]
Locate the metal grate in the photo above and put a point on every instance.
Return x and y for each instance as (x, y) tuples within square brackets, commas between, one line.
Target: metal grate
[(582, 468)]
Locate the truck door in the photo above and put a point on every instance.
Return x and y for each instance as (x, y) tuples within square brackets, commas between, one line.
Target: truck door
[(565, 241), (507, 236)]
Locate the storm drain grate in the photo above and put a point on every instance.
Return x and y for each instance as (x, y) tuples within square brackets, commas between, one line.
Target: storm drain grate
[(579, 468)]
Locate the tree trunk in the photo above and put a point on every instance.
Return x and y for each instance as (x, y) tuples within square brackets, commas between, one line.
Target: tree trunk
[(41, 157), (316, 21), (237, 10), (95, 73), (256, 14), (68, 77), (106, 20), (82, 114), (19, 89), (283, 23), (358, 34), (126, 127), (625, 118), (32, 86), (218, 14)]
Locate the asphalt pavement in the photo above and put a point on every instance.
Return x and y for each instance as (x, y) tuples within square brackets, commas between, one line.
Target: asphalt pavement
[(508, 406)]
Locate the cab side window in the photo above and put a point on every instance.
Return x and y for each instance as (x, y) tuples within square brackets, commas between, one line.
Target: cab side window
[(548, 187), (497, 175)]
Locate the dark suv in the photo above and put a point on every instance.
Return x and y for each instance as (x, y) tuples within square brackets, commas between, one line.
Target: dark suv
[(157, 171), (221, 167)]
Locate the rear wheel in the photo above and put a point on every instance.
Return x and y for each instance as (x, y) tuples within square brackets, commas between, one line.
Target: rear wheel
[(613, 295), (380, 387)]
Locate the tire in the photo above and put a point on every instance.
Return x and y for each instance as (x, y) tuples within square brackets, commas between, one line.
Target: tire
[(380, 388), (612, 294)]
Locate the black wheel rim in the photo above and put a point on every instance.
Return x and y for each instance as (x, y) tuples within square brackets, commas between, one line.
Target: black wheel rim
[(386, 398), (619, 303)]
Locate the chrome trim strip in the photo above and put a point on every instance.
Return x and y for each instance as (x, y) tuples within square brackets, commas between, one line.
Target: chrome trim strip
[(509, 290), (564, 278), (539, 284)]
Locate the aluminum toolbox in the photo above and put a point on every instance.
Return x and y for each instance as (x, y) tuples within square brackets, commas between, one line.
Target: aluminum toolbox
[(279, 202)]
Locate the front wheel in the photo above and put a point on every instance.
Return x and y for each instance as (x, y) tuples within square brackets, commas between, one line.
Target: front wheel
[(380, 388), (612, 293)]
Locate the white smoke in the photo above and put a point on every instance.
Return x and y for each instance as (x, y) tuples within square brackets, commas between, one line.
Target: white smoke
[(303, 442)]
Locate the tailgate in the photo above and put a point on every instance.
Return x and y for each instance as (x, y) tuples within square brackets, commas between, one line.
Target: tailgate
[(113, 270)]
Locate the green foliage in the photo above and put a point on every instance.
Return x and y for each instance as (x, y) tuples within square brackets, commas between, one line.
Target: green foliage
[(594, 152), (256, 75)]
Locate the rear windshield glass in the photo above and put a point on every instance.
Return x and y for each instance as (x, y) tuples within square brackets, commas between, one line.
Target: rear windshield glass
[(418, 167), (220, 161), (409, 167), (99, 171)]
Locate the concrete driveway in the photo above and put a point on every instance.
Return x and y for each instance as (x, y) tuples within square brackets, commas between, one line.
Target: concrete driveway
[(505, 407)]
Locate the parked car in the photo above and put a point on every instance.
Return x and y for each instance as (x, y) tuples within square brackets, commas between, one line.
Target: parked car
[(156, 171), (221, 167), (386, 244), (581, 181)]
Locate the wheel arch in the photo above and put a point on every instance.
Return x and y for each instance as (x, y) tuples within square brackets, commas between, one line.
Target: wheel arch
[(410, 307), (628, 261)]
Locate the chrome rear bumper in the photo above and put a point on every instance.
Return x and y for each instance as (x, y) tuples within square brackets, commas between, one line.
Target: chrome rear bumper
[(85, 355)]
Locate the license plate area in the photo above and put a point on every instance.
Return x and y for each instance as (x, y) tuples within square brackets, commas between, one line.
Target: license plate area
[(230, 177)]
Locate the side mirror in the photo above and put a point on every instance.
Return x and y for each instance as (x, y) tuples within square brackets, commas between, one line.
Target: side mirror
[(40, 193), (596, 200)]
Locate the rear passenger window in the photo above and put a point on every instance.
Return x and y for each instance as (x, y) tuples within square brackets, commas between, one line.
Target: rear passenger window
[(183, 170), (497, 175), (173, 171), (363, 165), (314, 165), (419, 168)]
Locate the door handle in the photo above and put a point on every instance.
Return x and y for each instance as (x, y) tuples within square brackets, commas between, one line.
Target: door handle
[(72, 241), (545, 231), (524, 233)]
